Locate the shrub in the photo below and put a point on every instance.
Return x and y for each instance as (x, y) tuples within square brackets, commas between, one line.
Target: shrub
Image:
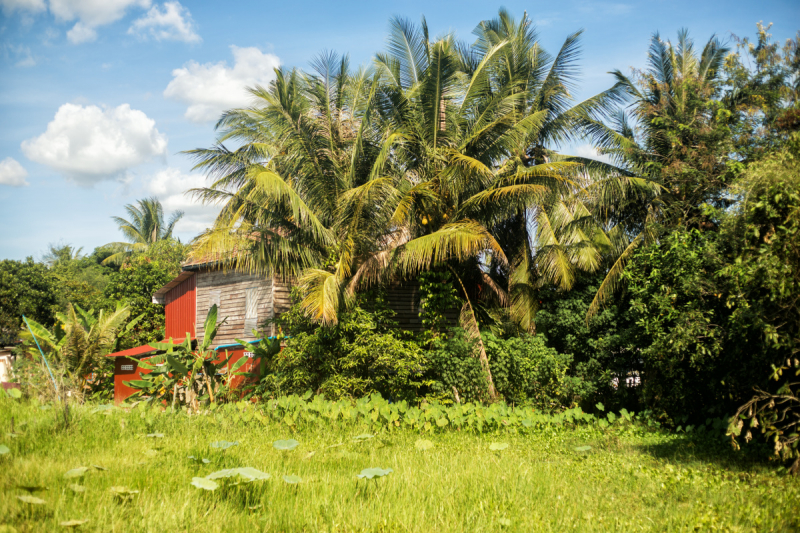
[(355, 358), (524, 369)]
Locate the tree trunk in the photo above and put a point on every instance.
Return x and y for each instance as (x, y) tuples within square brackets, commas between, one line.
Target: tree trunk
[(474, 331)]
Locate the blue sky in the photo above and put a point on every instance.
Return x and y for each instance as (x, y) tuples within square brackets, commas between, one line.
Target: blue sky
[(99, 97)]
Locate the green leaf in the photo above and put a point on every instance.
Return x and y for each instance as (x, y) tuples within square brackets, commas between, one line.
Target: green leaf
[(600, 406), (228, 472), (423, 445), (204, 483), (497, 446), (370, 473), (123, 492), (73, 523), (14, 393), (75, 472), (251, 473), (177, 366), (4, 449), (33, 500), (292, 480), (286, 445), (224, 444), (98, 467), (505, 522), (155, 435), (363, 436), (76, 488), (582, 448)]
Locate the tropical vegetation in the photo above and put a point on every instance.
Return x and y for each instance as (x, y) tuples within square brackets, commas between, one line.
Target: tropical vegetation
[(660, 277)]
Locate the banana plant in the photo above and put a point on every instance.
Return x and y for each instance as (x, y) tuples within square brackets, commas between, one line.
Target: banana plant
[(181, 366)]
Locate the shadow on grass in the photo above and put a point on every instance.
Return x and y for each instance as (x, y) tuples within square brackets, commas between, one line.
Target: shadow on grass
[(693, 450)]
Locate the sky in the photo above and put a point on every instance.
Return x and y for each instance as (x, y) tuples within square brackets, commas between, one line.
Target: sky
[(99, 98)]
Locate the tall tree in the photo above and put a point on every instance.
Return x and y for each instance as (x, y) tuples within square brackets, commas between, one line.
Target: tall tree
[(441, 156), (146, 227)]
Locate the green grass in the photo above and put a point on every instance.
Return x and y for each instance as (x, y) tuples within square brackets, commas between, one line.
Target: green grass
[(632, 479)]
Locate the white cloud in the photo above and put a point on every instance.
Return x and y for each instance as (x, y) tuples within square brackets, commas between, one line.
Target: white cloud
[(174, 22), (12, 173), (170, 186), (33, 6), (588, 151), (81, 33), (20, 54), (90, 14), (90, 144), (211, 88)]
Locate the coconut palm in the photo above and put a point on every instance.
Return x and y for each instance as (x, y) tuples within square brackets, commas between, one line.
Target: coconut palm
[(441, 156), (145, 227), (665, 136)]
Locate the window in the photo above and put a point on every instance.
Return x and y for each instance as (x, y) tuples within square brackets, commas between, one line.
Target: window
[(214, 298), (250, 309)]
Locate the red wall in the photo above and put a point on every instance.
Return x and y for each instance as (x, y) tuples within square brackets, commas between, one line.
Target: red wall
[(181, 309), (122, 391)]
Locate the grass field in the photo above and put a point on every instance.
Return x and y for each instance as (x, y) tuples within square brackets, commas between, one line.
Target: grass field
[(631, 479)]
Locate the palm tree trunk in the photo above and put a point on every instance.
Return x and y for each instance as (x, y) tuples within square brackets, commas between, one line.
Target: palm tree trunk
[(476, 334)]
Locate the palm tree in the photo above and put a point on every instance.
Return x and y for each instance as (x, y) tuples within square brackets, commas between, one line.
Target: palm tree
[(145, 228), (61, 254), (667, 137), (441, 156)]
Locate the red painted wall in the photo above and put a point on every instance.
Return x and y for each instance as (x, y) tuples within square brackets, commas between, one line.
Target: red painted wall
[(181, 309), (132, 372)]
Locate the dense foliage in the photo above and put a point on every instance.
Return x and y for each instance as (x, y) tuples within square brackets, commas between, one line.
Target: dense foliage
[(136, 281), (664, 277), (26, 288)]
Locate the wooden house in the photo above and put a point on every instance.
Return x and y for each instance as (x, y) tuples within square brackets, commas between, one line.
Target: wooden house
[(244, 300)]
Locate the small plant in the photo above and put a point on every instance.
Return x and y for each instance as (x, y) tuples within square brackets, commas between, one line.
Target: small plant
[(285, 445), (498, 446), (76, 472), (423, 445), (372, 473), (224, 444), (293, 479), (33, 500), (229, 477), (123, 494)]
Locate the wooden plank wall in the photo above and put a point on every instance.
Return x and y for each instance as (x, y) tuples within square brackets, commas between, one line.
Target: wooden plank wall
[(404, 301), (281, 299), (231, 286)]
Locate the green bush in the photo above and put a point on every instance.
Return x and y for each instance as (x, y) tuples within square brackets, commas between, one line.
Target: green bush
[(524, 369), (355, 358)]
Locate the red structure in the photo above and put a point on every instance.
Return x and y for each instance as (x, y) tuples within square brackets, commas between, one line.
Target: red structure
[(180, 299)]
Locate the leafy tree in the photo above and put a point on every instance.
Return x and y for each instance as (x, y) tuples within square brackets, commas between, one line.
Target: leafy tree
[(82, 278), (26, 288), (135, 284), (605, 349), (145, 228), (438, 158)]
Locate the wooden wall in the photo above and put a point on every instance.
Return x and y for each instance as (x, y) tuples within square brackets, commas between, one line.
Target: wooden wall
[(230, 287)]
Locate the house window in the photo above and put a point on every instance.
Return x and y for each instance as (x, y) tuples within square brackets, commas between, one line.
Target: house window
[(214, 298), (127, 368), (250, 309)]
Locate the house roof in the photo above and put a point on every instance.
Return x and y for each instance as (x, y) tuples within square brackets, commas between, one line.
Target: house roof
[(145, 349), (159, 297)]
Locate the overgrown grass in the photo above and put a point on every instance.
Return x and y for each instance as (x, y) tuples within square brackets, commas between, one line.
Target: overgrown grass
[(632, 478)]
